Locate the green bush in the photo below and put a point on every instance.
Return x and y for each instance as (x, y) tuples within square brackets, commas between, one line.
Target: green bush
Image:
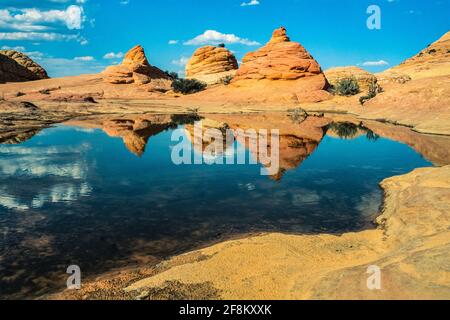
[(188, 86), (347, 87)]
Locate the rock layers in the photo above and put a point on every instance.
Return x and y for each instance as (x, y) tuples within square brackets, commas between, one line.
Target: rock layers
[(17, 67), (280, 73), (211, 64), (135, 68), (363, 77), (280, 59)]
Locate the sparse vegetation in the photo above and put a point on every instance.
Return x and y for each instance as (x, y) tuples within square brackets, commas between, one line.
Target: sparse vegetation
[(374, 89), (188, 118), (347, 87), (348, 130), (372, 136), (345, 130), (226, 80), (188, 86), (297, 115), (172, 75)]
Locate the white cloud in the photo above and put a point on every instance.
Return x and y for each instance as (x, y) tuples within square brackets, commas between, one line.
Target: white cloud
[(215, 37), (18, 48), (379, 63), (113, 55), (173, 41), (34, 19), (250, 3), (86, 58), (180, 62), (41, 36)]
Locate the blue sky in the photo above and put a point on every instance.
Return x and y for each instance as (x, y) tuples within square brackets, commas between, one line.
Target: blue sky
[(70, 37)]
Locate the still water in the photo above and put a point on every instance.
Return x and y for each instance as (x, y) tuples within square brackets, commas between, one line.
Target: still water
[(73, 195)]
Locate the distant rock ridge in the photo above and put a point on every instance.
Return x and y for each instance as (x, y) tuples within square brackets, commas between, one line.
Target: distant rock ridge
[(18, 67), (135, 68), (211, 64)]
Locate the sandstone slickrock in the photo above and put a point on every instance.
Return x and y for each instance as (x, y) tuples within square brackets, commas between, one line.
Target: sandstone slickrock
[(211, 64), (136, 69), (363, 77), (18, 67)]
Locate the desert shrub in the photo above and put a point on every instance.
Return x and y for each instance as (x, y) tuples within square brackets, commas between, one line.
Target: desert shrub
[(226, 80), (347, 87), (297, 115), (374, 89), (188, 86), (172, 75), (221, 45)]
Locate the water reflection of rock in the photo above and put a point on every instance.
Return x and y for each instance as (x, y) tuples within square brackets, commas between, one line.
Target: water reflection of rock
[(135, 133), (135, 130), (434, 148), (17, 137), (297, 140)]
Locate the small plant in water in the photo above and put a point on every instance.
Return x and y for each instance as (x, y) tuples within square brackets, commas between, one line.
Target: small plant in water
[(297, 115), (347, 87), (188, 86)]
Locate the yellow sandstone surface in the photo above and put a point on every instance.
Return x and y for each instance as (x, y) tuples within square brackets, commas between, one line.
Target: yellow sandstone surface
[(411, 247)]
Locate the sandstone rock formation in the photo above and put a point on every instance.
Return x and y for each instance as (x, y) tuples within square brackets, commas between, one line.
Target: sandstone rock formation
[(18, 67), (281, 70), (430, 62), (135, 68), (363, 77), (280, 59), (280, 74), (211, 64)]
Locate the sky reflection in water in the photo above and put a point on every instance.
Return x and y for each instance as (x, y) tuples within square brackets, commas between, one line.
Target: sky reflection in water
[(77, 196)]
